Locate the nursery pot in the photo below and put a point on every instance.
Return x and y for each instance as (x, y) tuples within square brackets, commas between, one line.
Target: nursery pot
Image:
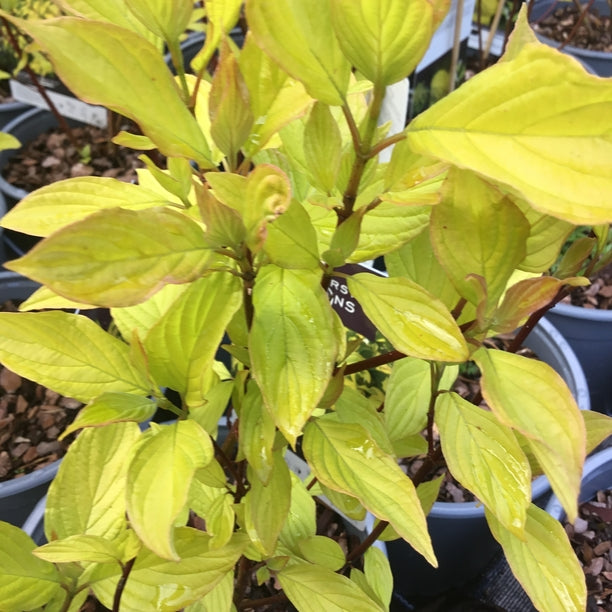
[(10, 111), (596, 476), (19, 495), (589, 332), (460, 535), (596, 62)]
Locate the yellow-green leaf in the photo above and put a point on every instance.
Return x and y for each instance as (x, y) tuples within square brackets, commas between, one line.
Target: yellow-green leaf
[(181, 347), (119, 69), (159, 477), (113, 407), (267, 505), (153, 580), (384, 39), (413, 320), (298, 36), (88, 493), (345, 458), (217, 600), (544, 562), (130, 256), (257, 433), (166, 20), (416, 260), (292, 356), (485, 457), (475, 231), (598, 428), (26, 583), (529, 396), (301, 519), (378, 575), (312, 588), (275, 98), (80, 548), (323, 551), (74, 356), (518, 110), (8, 141)]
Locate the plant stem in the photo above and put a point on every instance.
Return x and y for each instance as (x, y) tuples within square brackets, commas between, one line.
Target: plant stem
[(373, 362), (281, 598), (126, 569), (367, 542)]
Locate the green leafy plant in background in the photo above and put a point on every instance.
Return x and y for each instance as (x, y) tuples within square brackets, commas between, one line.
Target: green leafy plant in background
[(272, 183)]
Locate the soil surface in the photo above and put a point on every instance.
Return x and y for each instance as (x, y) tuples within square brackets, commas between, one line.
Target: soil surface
[(597, 295), (591, 538), (594, 33), (52, 157)]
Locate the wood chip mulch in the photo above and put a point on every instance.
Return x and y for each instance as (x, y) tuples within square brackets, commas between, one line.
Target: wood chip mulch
[(594, 33), (596, 295), (591, 538)]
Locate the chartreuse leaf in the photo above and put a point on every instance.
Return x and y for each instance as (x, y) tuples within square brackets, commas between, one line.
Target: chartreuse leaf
[(181, 346), (345, 458), (26, 583), (501, 115), (312, 588), (168, 21), (74, 356), (221, 16), (485, 457), (598, 428), (323, 551), (267, 506), (543, 561), (378, 575), (388, 227), (230, 113), (80, 548), (54, 206), (140, 318), (292, 240), (164, 462), (224, 226), (299, 37), (8, 141), (408, 397), (257, 433), (416, 260), (131, 255), (220, 521), (159, 584), (113, 408), (301, 519), (384, 40), (529, 396), (43, 298), (118, 69), (413, 320), (322, 147), (217, 600), (469, 234), (546, 237), (275, 98), (292, 355), (88, 493)]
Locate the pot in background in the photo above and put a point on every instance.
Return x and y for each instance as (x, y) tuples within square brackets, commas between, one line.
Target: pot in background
[(460, 535), (10, 111), (589, 332)]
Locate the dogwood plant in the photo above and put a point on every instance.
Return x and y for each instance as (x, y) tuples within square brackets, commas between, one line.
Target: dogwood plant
[(273, 180)]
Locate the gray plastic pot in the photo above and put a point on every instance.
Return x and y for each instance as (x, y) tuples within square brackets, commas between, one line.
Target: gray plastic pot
[(596, 62), (19, 496), (460, 535), (596, 476), (11, 110), (589, 332), (2, 213)]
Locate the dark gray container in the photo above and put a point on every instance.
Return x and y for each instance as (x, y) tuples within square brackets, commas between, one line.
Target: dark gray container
[(596, 62), (19, 496), (589, 332), (596, 476), (11, 110), (460, 535)]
